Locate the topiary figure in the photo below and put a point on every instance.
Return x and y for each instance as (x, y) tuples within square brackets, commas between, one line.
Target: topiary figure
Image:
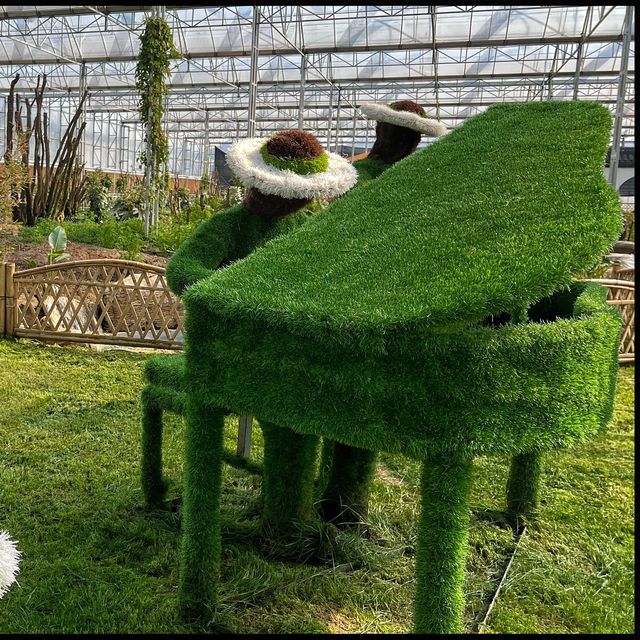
[(346, 472), (399, 129), (365, 326), (282, 174)]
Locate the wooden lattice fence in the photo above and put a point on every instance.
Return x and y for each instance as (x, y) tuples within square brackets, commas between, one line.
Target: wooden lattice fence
[(129, 303), (99, 301), (621, 293)]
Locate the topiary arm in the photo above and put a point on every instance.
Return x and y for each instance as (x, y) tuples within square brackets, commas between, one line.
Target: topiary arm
[(204, 250)]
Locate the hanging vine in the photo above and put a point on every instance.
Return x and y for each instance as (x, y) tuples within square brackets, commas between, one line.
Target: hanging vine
[(152, 71)]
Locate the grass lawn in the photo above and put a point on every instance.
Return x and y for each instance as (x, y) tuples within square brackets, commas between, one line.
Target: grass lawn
[(94, 560)]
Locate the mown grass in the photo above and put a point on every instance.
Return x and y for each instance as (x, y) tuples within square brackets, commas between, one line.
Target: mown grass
[(96, 561)]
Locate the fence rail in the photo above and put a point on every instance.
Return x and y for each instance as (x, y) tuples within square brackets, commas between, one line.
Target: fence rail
[(122, 302)]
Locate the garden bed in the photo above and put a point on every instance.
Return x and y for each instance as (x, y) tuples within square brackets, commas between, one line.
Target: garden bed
[(27, 255)]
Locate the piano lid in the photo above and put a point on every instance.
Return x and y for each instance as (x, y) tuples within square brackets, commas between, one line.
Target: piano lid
[(497, 214)]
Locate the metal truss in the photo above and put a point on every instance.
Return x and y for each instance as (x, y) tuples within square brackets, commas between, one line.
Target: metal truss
[(255, 69)]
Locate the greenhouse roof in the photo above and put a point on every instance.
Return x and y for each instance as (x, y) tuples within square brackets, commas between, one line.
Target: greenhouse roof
[(314, 65)]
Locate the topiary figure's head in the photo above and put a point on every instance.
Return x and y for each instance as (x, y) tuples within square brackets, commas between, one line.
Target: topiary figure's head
[(410, 106), (399, 129), (293, 144), (286, 171)]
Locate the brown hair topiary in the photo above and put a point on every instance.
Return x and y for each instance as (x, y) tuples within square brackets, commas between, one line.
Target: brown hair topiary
[(408, 105), (294, 144)]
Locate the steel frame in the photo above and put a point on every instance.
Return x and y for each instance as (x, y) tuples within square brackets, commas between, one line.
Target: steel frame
[(250, 70)]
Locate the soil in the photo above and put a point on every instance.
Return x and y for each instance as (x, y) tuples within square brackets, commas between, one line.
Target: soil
[(27, 255)]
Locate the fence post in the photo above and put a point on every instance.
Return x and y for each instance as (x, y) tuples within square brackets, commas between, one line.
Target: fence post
[(2, 298), (244, 437), (9, 299)]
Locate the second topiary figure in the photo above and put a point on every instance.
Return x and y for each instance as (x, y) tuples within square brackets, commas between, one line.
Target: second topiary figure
[(347, 471)]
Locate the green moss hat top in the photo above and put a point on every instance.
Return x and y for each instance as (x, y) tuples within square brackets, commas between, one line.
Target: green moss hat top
[(403, 113), (290, 164)]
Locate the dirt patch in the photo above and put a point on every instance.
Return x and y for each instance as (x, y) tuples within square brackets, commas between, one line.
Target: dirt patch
[(386, 476), (26, 255), (336, 621)]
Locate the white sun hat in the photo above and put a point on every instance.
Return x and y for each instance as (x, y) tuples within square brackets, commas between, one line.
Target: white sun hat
[(9, 562), (385, 113), (245, 160)]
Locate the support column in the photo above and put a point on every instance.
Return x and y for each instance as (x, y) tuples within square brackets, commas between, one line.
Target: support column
[(337, 133), (253, 72), (243, 445), (205, 160), (303, 80), (442, 544), (9, 300), (147, 182), (3, 298), (622, 89), (576, 78), (353, 138), (83, 116), (330, 118)]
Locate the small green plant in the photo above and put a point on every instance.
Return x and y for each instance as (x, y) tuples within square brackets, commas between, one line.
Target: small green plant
[(58, 245), (98, 193)]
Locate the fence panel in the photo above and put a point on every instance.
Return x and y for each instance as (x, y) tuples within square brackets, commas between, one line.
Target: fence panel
[(103, 301), (621, 293)]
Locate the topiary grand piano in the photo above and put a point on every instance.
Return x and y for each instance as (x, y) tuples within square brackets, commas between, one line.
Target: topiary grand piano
[(431, 312)]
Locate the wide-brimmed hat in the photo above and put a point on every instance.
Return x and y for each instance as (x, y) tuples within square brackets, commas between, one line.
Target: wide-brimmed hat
[(408, 119), (325, 176)]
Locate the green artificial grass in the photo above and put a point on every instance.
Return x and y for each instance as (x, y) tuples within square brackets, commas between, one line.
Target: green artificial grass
[(222, 239), (357, 329), (496, 214), (95, 561), (288, 488), (523, 488), (368, 169), (345, 496), (442, 544), (536, 386)]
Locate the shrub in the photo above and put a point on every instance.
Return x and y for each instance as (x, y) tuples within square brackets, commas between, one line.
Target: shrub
[(129, 203), (126, 236), (97, 193)]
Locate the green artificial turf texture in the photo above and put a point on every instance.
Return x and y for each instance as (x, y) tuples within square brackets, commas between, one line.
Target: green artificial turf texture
[(96, 561), (497, 214), (222, 239)]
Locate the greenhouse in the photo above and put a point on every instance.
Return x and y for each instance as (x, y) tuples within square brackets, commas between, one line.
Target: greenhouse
[(317, 319)]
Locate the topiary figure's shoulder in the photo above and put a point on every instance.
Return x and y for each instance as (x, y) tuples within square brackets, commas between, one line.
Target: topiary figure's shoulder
[(497, 214), (369, 169)]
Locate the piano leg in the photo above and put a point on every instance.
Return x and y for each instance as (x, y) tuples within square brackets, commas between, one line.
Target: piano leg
[(153, 484), (442, 544), (289, 474), (523, 486), (200, 551)]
